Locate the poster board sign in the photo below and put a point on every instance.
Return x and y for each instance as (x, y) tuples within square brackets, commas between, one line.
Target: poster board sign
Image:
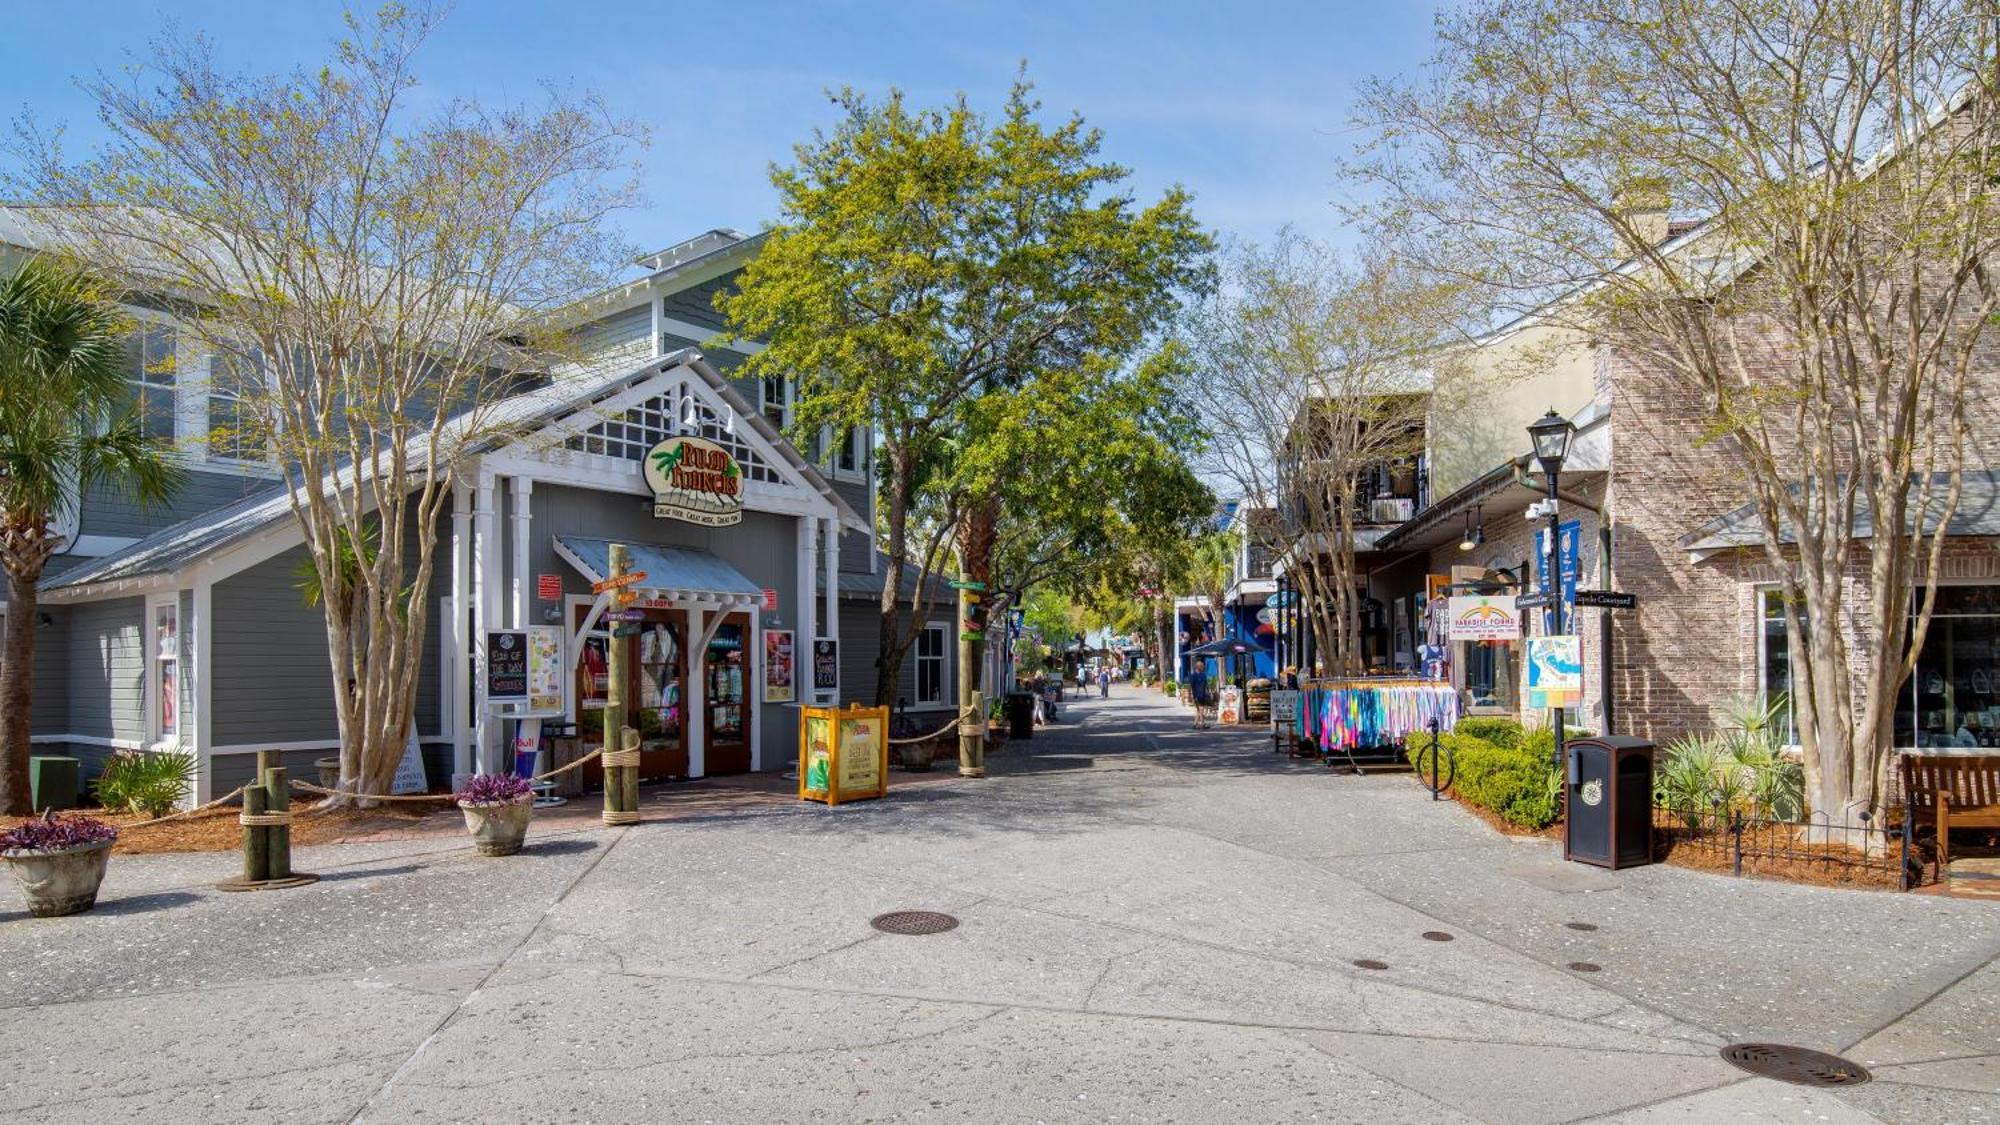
[(506, 666), (410, 771), (779, 661), (695, 481), (1479, 618), (826, 664), (545, 670), (1285, 708), (1230, 708), (1555, 671), (843, 754)]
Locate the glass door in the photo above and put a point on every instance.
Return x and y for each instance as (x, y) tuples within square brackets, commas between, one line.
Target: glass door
[(726, 696)]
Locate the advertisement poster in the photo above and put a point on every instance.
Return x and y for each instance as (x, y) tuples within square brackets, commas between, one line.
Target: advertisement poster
[(1284, 708), (545, 669), (1555, 671), (860, 756), (1478, 618), (506, 666), (826, 664), (1231, 709), (778, 659), (818, 755)]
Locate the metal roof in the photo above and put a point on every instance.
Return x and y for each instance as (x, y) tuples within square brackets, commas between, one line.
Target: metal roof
[(869, 585), (674, 572), (1978, 513)]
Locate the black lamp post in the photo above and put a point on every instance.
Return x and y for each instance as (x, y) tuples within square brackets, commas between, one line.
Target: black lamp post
[(1552, 433)]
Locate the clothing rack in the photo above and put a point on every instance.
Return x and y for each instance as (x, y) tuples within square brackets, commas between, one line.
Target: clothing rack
[(1343, 715)]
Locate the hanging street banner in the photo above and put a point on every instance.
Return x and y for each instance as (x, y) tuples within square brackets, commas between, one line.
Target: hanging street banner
[(696, 481), (1555, 671), (1480, 618)]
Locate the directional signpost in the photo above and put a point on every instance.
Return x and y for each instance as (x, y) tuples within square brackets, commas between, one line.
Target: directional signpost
[(1606, 599)]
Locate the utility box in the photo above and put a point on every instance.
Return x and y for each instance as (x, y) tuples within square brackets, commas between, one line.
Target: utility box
[(1608, 804), (1020, 714), (53, 782)]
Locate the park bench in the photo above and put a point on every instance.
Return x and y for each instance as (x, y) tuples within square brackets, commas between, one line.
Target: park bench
[(1957, 791)]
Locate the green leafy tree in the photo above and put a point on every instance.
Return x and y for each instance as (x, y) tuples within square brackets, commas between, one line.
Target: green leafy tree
[(68, 424), (928, 259)]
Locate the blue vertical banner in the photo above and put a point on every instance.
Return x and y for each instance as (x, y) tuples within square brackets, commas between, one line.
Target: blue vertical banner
[(1571, 536)]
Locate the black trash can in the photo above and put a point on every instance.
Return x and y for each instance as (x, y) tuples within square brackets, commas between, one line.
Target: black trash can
[(1608, 818), (1020, 714)]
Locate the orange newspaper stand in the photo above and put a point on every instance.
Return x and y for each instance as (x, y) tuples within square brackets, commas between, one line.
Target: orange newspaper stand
[(843, 755)]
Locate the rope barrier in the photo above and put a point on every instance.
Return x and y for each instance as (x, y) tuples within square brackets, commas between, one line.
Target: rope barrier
[(945, 729), (320, 789), (264, 820), (224, 799), (618, 758)]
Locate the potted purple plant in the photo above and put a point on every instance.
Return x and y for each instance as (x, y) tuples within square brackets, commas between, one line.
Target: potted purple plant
[(60, 861), (497, 807)]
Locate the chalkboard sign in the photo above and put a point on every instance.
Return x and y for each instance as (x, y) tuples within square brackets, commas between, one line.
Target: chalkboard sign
[(506, 666), (826, 664)]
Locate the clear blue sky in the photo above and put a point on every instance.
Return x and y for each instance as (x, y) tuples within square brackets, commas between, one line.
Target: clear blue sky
[(1244, 103)]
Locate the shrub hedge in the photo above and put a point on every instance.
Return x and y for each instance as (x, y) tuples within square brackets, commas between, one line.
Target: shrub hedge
[(1504, 733), (1516, 782)]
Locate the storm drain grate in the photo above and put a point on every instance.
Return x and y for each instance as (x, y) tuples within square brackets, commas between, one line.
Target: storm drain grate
[(1582, 927), (1370, 963), (913, 922), (1801, 1066), (1436, 935)]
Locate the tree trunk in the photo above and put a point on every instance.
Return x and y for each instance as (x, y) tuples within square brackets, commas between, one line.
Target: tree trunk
[(17, 677), (976, 539)]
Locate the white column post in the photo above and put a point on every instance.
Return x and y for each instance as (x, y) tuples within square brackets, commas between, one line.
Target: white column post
[(454, 634), (696, 724), (830, 560), (806, 625), (485, 615), (523, 489), (659, 322), (203, 729)]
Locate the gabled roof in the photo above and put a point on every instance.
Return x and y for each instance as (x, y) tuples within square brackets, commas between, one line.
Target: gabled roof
[(1978, 513), (202, 537)]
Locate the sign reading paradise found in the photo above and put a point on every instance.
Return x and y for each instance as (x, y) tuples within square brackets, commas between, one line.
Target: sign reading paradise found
[(696, 481)]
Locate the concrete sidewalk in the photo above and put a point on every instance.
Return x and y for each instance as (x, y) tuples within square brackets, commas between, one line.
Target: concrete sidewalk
[(1155, 924)]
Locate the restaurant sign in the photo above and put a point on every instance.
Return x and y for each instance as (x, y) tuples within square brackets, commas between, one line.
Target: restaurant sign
[(1475, 618), (696, 481)]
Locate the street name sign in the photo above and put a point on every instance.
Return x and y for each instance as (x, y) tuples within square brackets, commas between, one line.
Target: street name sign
[(1606, 599)]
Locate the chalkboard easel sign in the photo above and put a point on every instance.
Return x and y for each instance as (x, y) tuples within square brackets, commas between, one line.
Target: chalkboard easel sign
[(506, 666), (826, 664)]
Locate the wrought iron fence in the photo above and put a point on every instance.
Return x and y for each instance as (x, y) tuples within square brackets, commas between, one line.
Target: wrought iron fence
[(1861, 850)]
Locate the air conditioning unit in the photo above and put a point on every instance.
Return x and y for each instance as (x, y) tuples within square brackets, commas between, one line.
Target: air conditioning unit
[(1391, 509)]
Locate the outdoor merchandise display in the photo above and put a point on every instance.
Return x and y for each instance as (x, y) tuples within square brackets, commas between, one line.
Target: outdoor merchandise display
[(843, 755), (1360, 714)]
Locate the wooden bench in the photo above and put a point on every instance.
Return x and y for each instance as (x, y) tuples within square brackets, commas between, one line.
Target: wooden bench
[(1961, 791)]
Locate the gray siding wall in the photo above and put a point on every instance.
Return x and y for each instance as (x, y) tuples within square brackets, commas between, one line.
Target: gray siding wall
[(860, 643), (617, 342), (696, 304), (51, 681), (106, 689), (763, 547), (107, 512)]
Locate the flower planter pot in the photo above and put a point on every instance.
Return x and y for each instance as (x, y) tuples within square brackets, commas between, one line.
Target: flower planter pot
[(63, 882), (498, 829)]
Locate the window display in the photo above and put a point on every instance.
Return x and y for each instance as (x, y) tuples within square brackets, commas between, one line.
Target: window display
[(1950, 700), (724, 686)]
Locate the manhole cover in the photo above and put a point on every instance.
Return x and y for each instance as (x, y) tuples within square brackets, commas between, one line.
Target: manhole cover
[(1436, 935), (1801, 1066), (913, 922), (1367, 963), (1581, 927), (1585, 967)]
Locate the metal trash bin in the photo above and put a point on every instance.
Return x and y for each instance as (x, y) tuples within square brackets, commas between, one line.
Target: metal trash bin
[(1608, 807), (53, 782), (1020, 714)]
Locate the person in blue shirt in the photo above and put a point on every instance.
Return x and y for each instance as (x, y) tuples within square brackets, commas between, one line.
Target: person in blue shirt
[(1198, 693)]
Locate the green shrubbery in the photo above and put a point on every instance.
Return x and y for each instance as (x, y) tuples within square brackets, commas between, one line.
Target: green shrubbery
[(1517, 782), (150, 784)]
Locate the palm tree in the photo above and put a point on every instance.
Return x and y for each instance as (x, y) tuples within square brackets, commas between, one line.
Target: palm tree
[(67, 423)]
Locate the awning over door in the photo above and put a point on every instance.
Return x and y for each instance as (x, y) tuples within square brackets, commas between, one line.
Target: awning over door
[(675, 573)]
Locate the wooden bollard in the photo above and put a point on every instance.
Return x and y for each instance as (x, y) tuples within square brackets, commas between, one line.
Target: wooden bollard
[(278, 799), (256, 838)]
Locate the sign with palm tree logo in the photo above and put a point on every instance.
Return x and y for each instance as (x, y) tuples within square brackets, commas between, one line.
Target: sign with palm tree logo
[(696, 481)]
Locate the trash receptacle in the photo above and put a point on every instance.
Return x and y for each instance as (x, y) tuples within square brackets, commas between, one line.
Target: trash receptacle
[(53, 782), (1608, 819), (1020, 714)]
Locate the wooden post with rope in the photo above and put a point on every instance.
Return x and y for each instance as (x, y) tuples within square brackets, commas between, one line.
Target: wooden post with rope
[(267, 831), (621, 742)]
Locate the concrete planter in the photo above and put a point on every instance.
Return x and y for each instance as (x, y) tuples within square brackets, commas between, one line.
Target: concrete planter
[(498, 829), (63, 882), (329, 772)]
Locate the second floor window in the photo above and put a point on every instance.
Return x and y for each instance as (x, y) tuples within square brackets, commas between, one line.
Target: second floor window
[(851, 456), (234, 431), (151, 373), (774, 405)]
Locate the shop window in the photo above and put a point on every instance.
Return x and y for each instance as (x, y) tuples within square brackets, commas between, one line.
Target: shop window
[(150, 371), (931, 644), (1774, 660), (166, 674), (1489, 675), (1953, 697)]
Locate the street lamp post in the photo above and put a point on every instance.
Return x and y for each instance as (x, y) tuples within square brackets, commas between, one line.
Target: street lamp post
[(1552, 433)]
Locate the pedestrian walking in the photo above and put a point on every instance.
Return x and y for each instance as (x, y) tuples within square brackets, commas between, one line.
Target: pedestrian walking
[(1198, 692), (1104, 683)]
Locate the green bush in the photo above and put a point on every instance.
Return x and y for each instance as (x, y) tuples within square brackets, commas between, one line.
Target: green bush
[(150, 784), (1515, 782), (1170, 687), (1505, 733)]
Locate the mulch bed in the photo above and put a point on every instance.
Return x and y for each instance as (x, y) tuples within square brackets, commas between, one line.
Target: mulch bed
[(217, 830)]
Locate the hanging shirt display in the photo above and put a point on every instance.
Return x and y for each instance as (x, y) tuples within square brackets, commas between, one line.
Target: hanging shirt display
[(1341, 715)]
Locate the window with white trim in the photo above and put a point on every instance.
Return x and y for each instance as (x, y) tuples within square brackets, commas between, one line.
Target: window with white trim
[(164, 673), (150, 371), (775, 400), (850, 457), (931, 644), (234, 431)]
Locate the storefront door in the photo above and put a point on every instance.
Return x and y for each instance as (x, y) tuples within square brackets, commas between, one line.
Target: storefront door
[(726, 696), (655, 684)]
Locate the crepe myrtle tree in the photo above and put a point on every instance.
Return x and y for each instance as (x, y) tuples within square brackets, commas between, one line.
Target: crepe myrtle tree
[(1826, 316), (68, 425), (372, 274), (928, 259)]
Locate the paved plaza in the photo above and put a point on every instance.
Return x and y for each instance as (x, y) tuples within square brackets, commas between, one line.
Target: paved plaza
[(1156, 925)]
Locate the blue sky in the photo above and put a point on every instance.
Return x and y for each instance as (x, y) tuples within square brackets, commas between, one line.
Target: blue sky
[(1244, 103)]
